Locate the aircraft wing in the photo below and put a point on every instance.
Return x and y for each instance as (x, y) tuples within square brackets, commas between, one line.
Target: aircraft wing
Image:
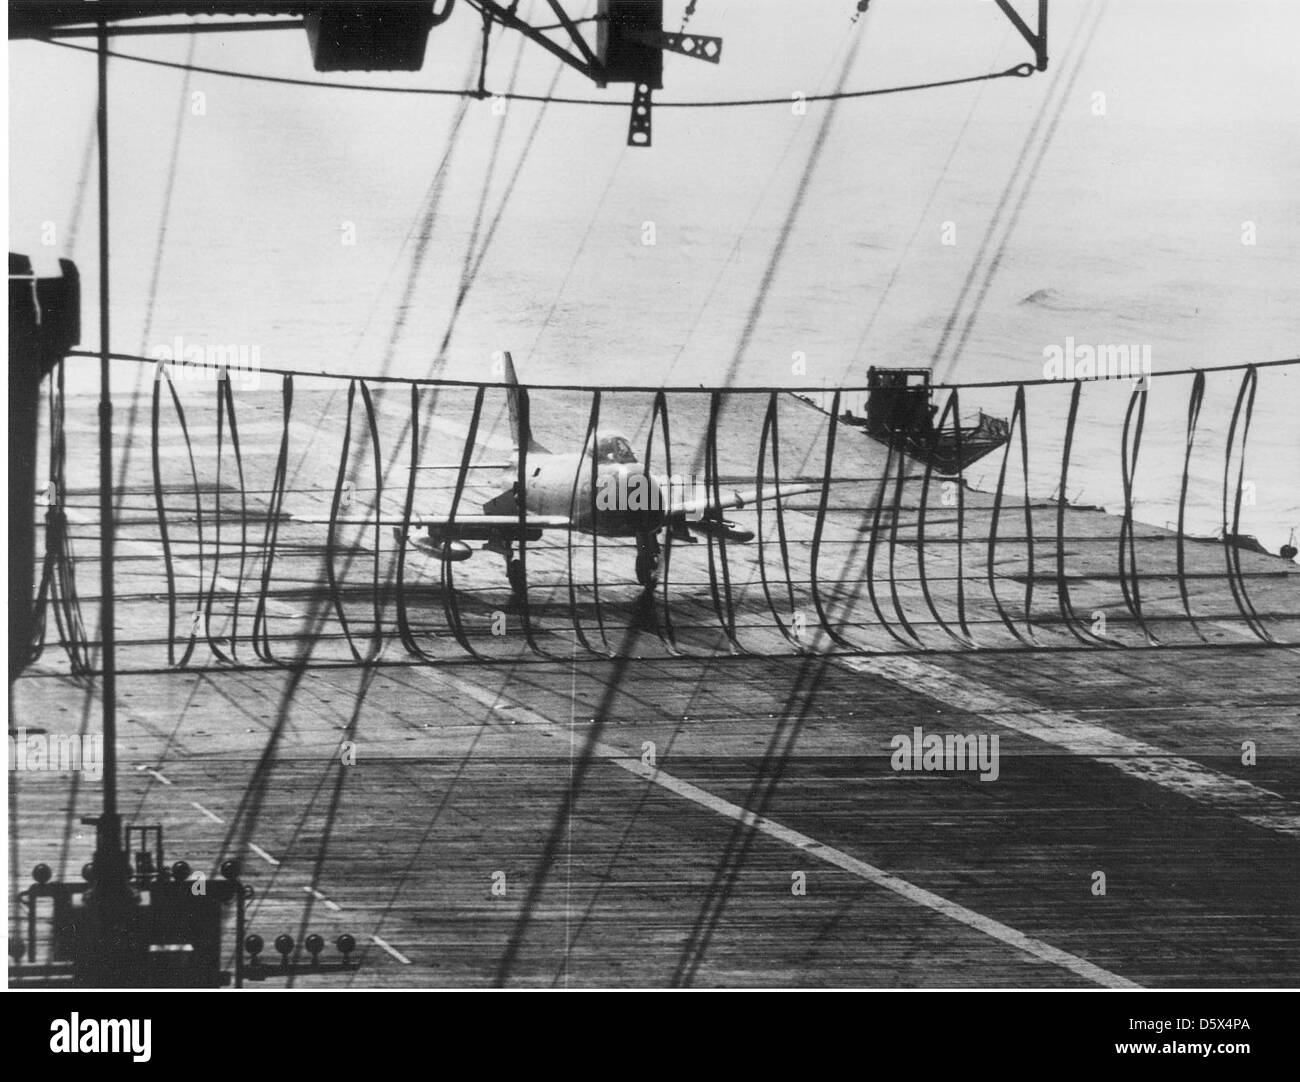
[(464, 525), (482, 527)]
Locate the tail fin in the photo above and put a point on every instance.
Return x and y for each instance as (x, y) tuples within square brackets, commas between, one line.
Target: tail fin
[(520, 429)]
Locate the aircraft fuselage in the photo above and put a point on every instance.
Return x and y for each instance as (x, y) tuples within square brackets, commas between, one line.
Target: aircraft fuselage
[(621, 500)]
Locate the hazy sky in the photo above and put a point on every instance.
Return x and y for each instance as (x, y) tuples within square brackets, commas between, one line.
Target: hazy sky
[(1127, 229)]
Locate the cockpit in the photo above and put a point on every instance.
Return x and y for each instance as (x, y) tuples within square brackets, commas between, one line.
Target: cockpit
[(613, 447)]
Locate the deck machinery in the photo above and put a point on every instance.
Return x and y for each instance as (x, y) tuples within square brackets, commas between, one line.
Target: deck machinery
[(170, 937), (900, 413)]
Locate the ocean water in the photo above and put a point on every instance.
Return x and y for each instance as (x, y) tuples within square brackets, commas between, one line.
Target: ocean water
[(966, 228)]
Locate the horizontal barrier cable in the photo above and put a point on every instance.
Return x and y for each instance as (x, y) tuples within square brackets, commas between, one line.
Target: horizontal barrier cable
[(752, 389)]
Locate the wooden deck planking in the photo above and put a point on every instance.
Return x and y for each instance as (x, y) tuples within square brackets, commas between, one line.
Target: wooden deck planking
[(464, 769)]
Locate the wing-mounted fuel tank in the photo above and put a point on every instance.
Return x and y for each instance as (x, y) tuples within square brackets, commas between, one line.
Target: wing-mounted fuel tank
[(719, 527), (449, 550)]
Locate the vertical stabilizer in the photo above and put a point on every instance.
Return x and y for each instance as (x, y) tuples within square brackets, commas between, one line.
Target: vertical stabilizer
[(520, 429)]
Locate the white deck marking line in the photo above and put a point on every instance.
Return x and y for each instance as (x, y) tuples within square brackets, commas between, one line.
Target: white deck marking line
[(1081, 967), (210, 815), (334, 906), (391, 950), (264, 855), (1136, 758), (876, 876), (151, 771)]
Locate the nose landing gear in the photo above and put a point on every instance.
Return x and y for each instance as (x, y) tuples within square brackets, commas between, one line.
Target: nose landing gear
[(505, 548), (647, 559)]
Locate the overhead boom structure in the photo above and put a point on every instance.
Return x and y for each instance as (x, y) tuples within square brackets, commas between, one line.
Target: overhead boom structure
[(1037, 38), (391, 35), (630, 43), (350, 35)]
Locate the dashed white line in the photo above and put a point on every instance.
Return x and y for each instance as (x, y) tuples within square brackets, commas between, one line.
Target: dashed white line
[(264, 855), (210, 815), (331, 905), (151, 771), (391, 950)]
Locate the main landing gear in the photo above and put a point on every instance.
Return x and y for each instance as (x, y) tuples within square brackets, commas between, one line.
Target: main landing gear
[(647, 563), (514, 566)]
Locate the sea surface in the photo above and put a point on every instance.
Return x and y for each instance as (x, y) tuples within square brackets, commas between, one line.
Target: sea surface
[(1144, 191)]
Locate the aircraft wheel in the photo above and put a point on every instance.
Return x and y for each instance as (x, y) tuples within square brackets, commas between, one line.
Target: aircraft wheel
[(515, 573)]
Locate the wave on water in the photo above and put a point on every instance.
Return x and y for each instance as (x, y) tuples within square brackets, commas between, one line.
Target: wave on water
[(1053, 301)]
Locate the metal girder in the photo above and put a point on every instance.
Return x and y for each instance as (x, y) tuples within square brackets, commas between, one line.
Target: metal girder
[(32, 18), (574, 33), (1037, 39), (75, 18), (638, 125), (586, 60), (699, 46), (696, 46), (589, 67), (153, 29)]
